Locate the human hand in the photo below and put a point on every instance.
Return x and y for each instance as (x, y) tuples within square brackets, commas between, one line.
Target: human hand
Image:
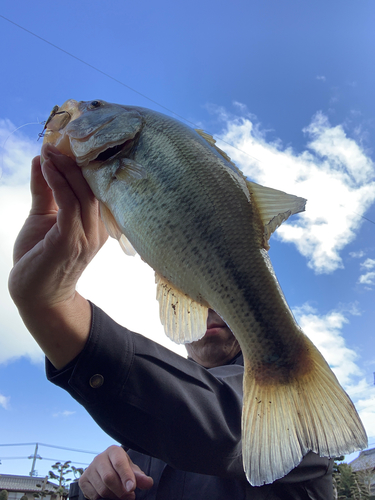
[(59, 238), (61, 235), (113, 475)]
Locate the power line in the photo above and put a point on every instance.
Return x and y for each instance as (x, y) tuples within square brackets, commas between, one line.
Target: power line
[(95, 68), (136, 91), (118, 81), (52, 446), (19, 444), (43, 458), (69, 449)]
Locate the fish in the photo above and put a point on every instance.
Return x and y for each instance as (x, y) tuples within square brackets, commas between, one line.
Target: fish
[(168, 193)]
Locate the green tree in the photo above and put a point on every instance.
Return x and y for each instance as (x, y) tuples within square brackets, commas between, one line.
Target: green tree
[(62, 471), (349, 485), (59, 473), (43, 491), (77, 471), (345, 482), (366, 478), (3, 495)]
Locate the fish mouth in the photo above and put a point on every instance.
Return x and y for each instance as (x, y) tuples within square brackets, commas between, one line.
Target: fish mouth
[(113, 151)]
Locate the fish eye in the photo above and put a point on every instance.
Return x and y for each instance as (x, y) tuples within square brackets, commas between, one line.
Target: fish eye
[(95, 104)]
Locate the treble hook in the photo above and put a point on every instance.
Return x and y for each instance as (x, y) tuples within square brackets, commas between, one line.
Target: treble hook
[(53, 113)]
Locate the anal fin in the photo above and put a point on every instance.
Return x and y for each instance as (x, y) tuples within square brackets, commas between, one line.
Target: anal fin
[(184, 320)]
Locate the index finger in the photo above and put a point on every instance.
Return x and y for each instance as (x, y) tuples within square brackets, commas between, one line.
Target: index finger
[(42, 196), (122, 465), (71, 190)]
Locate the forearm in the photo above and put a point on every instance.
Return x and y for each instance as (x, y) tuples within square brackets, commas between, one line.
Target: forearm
[(58, 240), (60, 330)]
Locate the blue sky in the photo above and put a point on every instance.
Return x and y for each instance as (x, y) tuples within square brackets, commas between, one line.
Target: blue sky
[(287, 85)]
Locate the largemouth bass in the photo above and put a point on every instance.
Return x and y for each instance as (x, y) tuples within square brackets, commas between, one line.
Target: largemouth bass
[(167, 192)]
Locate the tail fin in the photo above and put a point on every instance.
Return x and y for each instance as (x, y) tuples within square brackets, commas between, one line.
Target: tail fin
[(282, 423)]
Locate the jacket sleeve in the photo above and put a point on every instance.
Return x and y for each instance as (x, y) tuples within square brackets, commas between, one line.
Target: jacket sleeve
[(156, 402)]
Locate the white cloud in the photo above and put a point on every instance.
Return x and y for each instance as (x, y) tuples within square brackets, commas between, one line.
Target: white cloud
[(357, 255), (127, 281), (65, 413), (322, 78), (366, 408), (368, 278), (4, 401), (123, 277), (15, 159), (325, 331), (16, 152), (368, 264), (333, 173)]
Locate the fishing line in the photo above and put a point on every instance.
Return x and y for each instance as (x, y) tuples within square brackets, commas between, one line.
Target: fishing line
[(15, 130), (95, 68), (136, 91), (117, 81)]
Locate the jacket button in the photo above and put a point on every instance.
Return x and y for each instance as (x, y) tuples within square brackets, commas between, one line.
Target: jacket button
[(96, 381)]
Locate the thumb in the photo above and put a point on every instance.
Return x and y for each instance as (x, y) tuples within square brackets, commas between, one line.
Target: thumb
[(143, 482)]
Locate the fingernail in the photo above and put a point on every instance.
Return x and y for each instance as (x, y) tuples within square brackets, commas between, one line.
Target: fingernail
[(55, 153), (129, 485), (47, 153)]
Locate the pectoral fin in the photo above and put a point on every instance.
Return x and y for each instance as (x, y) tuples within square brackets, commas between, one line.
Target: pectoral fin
[(274, 207), (130, 170), (114, 231), (184, 320)]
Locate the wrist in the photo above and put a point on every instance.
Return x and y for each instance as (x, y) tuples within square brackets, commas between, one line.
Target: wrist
[(60, 328)]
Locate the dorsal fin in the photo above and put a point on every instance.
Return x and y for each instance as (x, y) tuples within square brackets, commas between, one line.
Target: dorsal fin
[(114, 230), (274, 207), (184, 320), (212, 142)]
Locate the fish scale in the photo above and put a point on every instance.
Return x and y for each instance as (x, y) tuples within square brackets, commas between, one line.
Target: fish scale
[(167, 192)]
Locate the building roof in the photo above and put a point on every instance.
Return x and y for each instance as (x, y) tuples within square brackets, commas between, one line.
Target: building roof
[(24, 483), (366, 460)]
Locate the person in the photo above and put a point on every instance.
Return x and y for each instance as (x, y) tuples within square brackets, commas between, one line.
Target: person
[(178, 420)]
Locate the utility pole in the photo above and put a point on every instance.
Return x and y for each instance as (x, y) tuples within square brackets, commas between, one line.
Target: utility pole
[(34, 457)]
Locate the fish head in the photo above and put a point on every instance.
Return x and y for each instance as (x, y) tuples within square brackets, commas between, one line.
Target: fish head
[(92, 132)]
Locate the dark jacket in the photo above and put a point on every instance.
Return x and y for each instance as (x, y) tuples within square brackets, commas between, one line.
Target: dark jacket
[(181, 421)]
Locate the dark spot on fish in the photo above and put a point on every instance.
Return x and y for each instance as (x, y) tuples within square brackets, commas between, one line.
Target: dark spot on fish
[(95, 104), (283, 369)]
